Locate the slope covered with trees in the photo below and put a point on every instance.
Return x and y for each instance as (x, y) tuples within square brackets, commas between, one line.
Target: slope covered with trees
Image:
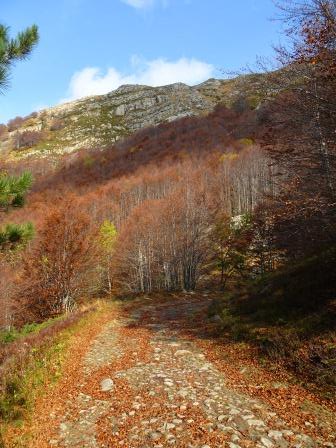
[(241, 199)]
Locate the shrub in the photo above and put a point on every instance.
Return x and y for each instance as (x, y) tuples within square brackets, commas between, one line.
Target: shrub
[(62, 265), (15, 123), (20, 350), (57, 124), (27, 139), (3, 129)]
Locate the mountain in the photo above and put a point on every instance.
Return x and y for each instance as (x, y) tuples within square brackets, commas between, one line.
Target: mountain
[(100, 121)]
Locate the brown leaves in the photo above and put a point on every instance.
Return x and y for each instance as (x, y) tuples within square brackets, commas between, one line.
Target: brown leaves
[(62, 263)]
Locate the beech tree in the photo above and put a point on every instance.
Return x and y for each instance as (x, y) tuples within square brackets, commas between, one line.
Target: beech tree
[(27, 139), (107, 241), (164, 242), (301, 135), (62, 265)]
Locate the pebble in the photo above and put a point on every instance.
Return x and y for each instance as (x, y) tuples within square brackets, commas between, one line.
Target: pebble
[(253, 422), (183, 386), (155, 436), (266, 442), (182, 353), (277, 435), (106, 385)]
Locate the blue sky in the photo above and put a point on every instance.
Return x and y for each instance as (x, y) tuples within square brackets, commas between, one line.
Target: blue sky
[(93, 46)]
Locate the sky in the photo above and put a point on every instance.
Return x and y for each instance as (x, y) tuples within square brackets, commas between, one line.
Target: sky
[(91, 47)]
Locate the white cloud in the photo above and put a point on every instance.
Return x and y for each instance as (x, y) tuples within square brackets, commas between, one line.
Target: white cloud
[(145, 4), (139, 4), (158, 72)]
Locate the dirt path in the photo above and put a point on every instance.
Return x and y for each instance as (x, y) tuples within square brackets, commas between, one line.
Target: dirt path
[(152, 378)]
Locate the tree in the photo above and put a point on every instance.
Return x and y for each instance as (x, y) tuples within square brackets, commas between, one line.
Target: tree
[(62, 265), (107, 240), (13, 190), (301, 136), (230, 238), (15, 123), (12, 194), (13, 235), (27, 139), (14, 49), (163, 243), (3, 129)]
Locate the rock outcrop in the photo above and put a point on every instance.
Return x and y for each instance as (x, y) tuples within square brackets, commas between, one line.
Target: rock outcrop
[(100, 121)]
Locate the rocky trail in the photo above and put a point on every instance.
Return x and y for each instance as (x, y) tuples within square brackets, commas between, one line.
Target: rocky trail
[(154, 377)]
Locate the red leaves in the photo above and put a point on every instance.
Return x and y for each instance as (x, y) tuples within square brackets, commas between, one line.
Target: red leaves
[(61, 265)]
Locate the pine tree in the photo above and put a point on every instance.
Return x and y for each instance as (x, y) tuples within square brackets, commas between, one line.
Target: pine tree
[(14, 49), (14, 188), (12, 194)]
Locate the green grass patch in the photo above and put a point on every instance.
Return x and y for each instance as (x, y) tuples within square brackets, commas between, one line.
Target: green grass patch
[(11, 335), (34, 361)]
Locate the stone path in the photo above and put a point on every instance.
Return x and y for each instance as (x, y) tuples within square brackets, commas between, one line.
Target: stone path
[(147, 383)]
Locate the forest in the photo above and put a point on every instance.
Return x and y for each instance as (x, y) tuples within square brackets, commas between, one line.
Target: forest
[(239, 201)]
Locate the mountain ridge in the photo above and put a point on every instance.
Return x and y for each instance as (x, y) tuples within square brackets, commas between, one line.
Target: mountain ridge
[(100, 121)]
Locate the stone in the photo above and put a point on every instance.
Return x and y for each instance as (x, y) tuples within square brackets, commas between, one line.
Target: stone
[(106, 385), (155, 436), (216, 319), (258, 423), (63, 427), (266, 442), (276, 435), (179, 353)]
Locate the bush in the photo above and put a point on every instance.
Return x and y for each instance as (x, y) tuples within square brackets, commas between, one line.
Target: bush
[(62, 265), (15, 123), (27, 139), (3, 129), (22, 355), (57, 124)]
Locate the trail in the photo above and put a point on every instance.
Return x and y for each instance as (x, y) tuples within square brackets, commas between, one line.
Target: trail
[(153, 377)]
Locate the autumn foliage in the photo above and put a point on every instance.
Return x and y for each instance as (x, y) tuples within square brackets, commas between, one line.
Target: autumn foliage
[(61, 265), (235, 194)]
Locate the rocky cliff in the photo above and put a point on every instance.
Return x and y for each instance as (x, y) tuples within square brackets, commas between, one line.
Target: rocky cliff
[(100, 121)]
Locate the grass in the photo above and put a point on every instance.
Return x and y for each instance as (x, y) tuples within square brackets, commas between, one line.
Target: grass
[(32, 359), (11, 335)]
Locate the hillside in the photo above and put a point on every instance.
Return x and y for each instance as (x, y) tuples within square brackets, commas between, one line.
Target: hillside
[(100, 121)]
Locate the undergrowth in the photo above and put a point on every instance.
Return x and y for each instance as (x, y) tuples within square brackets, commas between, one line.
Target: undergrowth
[(31, 359), (281, 315)]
